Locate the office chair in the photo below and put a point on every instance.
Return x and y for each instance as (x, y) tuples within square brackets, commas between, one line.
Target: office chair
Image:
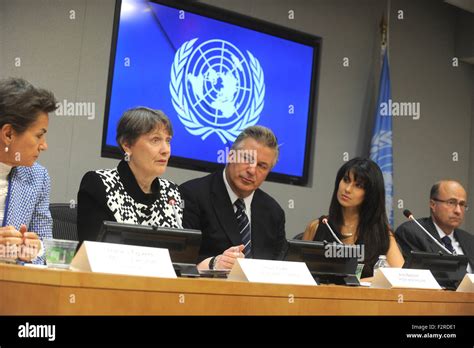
[(64, 221)]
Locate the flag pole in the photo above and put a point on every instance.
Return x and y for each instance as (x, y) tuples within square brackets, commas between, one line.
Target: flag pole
[(381, 150), (387, 27)]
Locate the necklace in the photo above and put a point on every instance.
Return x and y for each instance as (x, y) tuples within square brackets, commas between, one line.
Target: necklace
[(348, 234)]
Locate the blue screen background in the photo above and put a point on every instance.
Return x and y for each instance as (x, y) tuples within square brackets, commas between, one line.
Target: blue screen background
[(149, 36)]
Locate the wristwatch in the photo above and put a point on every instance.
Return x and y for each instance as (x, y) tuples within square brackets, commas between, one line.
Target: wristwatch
[(212, 262)]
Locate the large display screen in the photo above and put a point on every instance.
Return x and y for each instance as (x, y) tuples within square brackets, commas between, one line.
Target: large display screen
[(213, 73)]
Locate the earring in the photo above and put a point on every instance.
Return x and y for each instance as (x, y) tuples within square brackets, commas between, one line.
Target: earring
[(6, 148)]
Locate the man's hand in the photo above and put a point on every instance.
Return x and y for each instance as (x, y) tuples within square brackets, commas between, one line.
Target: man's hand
[(227, 259)]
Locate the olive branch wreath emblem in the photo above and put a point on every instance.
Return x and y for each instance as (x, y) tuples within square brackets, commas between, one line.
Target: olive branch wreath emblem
[(187, 117)]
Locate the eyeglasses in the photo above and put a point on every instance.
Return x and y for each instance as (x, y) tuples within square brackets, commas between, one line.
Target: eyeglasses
[(452, 203)]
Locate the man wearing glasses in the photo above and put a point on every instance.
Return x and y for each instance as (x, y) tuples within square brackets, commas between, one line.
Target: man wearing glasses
[(448, 206)]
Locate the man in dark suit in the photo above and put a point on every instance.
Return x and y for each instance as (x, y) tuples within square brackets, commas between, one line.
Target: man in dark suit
[(448, 206), (236, 218)]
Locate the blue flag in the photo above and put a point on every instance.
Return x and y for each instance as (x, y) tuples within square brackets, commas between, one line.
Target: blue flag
[(381, 145)]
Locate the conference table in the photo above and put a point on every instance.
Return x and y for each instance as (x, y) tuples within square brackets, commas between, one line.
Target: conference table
[(32, 291)]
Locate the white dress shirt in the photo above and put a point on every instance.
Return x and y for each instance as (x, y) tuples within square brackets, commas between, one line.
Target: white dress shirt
[(454, 242)]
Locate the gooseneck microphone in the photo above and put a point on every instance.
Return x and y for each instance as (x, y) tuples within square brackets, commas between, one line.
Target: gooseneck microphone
[(324, 220), (172, 202), (410, 216)]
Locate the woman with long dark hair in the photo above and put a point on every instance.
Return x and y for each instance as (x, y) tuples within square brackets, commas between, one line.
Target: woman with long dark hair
[(357, 214)]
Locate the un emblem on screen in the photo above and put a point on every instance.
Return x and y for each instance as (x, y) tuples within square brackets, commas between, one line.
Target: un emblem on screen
[(216, 89)]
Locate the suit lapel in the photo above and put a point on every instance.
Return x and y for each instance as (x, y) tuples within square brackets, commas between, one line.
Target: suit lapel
[(466, 245), (223, 209), (431, 228), (257, 227)]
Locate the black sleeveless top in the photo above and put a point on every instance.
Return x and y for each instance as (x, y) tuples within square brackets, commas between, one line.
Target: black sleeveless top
[(323, 234)]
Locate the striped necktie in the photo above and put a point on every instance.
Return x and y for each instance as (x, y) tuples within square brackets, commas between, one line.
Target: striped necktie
[(244, 226), (447, 243)]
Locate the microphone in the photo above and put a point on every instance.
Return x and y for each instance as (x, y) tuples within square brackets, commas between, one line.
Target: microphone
[(410, 216), (324, 220), (172, 202)]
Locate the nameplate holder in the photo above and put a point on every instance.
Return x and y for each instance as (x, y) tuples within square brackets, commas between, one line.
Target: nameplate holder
[(123, 259), (274, 272), (467, 284), (388, 278)]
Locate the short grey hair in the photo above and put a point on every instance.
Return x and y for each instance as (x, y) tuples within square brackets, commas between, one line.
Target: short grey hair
[(139, 121), (261, 135)]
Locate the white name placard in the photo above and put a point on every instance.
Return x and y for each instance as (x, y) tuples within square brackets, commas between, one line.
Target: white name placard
[(467, 284), (387, 278), (275, 272), (123, 259)]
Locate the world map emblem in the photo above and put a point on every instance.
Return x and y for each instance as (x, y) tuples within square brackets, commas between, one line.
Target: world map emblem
[(216, 89)]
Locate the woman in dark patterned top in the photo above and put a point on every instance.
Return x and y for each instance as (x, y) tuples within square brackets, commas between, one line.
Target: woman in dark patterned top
[(133, 192)]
